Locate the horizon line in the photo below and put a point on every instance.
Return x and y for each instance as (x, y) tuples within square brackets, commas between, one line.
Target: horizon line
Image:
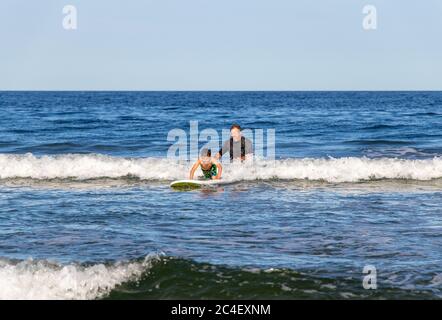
[(219, 90)]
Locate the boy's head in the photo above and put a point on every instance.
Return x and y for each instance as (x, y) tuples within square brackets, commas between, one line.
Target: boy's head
[(206, 155)]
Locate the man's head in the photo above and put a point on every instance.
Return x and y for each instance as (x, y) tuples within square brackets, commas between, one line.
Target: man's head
[(235, 132), (206, 155)]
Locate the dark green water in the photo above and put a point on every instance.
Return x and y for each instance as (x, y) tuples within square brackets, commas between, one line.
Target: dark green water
[(171, 278)]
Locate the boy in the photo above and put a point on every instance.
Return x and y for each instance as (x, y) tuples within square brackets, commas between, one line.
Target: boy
[(211, 168)]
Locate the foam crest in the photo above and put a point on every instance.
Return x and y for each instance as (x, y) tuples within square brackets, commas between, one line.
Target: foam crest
[(44, 280), (349, 169), (89, 166)]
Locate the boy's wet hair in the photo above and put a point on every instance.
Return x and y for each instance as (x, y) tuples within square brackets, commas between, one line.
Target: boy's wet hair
[(206, 152)]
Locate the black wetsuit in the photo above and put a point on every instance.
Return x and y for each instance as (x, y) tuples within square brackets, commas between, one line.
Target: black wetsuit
[(234, 147)]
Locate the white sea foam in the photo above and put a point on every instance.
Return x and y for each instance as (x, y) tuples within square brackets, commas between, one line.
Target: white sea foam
[(42, 280), (349, 169)]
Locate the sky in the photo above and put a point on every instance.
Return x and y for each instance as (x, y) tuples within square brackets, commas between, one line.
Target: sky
[(221, 45)]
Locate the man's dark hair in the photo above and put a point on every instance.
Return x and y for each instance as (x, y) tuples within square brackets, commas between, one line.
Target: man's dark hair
[(206, 152), (235, 126)]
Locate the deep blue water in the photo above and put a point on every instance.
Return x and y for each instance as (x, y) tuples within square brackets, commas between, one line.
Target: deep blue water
[(85, 197), (307, 124)]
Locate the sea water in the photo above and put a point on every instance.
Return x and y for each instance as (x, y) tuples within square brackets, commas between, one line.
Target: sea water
[(86, 211)]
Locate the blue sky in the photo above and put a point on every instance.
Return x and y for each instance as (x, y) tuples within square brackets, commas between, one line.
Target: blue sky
[(221, 45)]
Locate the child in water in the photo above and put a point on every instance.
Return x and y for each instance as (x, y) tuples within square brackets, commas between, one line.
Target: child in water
[(211, 168)]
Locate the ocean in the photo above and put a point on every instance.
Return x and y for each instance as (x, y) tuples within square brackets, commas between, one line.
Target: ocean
[(86, 211)]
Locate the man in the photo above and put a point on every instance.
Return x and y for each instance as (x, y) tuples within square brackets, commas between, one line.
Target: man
[(239, 147)]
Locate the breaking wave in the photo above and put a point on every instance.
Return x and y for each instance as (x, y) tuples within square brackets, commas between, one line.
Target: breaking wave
[(160, 277), (44, 280), (93, 166)]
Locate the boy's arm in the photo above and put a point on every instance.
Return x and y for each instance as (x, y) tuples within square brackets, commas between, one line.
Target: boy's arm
[(220, 170), (194, 167)]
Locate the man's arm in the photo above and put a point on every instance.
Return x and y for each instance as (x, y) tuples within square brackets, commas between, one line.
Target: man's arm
[(248, 149), (225, 148)]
